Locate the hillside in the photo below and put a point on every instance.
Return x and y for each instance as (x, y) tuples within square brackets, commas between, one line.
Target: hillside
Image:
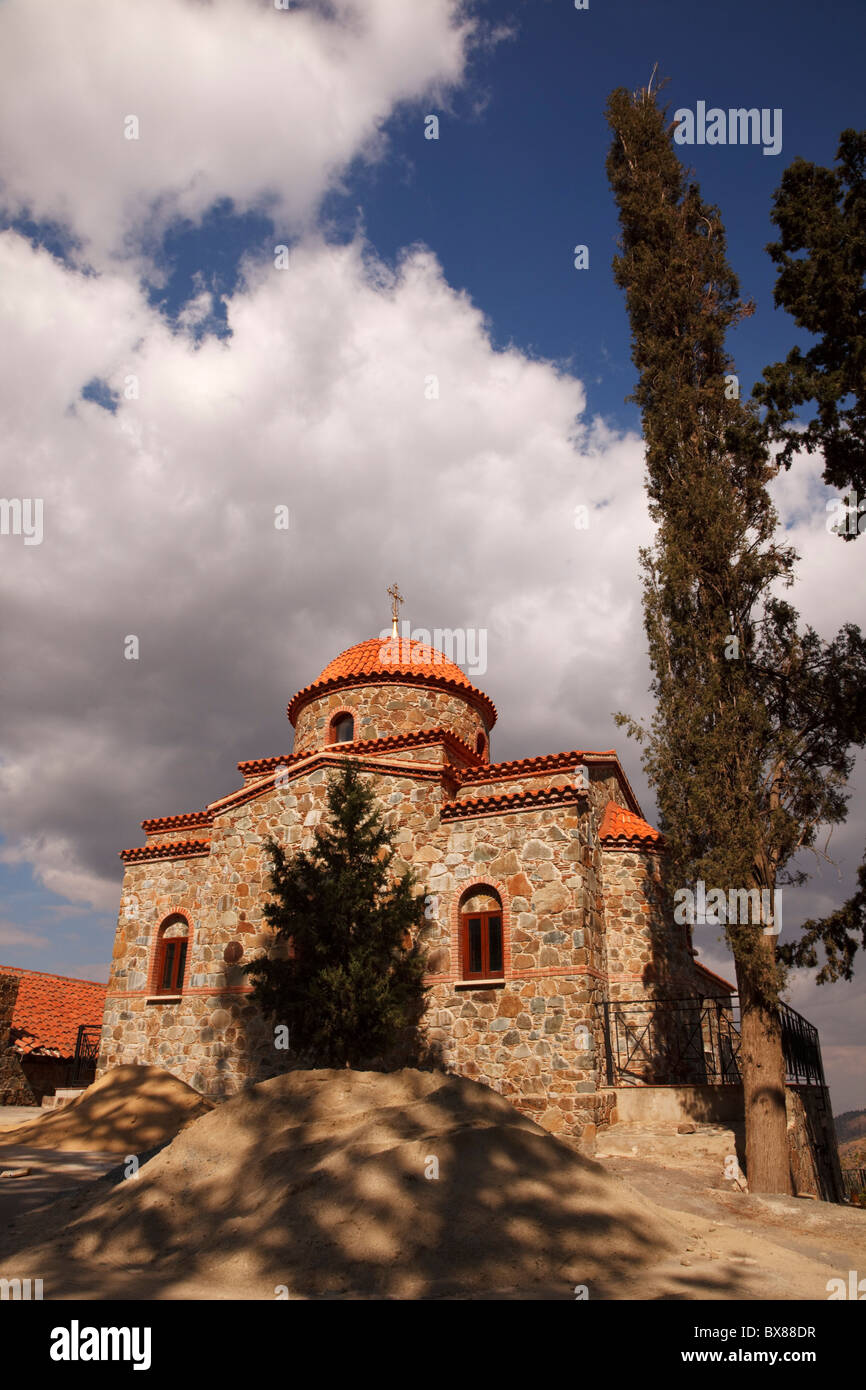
[(850, 1125)]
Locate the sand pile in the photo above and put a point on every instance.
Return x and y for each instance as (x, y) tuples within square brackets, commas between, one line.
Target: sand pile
[(406, 1184), (128, 1111)]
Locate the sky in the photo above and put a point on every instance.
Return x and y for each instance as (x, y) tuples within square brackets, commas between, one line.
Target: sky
[(170, 377)]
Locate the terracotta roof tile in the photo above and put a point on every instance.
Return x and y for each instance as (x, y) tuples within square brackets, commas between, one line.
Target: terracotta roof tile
[(392, 659), (621, 829), (546, 762), (169, 849), (260, 767), (717, 979), (182, 822), (49, 1009), (510, 801)]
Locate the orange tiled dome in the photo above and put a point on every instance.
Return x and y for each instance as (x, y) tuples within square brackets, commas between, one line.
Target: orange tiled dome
[(392, 659)]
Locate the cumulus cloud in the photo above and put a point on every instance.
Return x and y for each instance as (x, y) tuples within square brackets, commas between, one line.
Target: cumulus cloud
[(159, 524), (227, 98)]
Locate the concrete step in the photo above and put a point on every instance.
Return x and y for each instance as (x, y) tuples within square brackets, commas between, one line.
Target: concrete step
[(689, 1145), (62, 1096)]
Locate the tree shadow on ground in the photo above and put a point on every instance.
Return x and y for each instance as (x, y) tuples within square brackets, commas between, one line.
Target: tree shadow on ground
[(357, 1184)]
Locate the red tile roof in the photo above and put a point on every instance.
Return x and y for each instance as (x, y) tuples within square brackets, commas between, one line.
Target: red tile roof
[(510, 801), (393, 659), (183, 822), (169, 849), (545, 762), (621, 829), (49, 1009), (717, 979), (260, 767)]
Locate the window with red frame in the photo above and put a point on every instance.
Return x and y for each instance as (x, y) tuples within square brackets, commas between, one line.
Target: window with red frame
[(171, 958), (482, 945)]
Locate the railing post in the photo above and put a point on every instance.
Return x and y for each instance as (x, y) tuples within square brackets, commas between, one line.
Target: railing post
[(608, 1052)]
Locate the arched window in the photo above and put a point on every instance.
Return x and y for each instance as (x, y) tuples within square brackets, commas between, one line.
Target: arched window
[(344, 728), (481, 947), (480, 745), (171, 956)]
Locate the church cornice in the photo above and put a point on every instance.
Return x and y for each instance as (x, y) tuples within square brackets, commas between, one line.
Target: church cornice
[(187, 821), (506, 802), (551, 762), (415, 679), (170, 849), (261, 767)]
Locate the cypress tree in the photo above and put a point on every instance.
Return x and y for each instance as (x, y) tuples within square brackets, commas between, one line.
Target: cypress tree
[(749, 745), (351, 988)]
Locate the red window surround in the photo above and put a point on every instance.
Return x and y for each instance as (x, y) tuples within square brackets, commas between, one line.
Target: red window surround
[(482, 945), (171, 954)]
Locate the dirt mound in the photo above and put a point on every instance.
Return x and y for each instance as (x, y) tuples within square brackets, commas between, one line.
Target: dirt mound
[(408, 1184), (128, 1110)]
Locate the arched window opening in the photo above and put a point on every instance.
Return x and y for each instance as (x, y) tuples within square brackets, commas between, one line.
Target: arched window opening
[(344, 728), (171, 956), (481, 941), (481, 745)]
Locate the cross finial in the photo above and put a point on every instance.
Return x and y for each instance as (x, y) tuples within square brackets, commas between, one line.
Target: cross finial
[(396, 599)]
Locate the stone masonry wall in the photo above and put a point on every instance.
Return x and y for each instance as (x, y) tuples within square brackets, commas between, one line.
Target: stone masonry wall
[(535, 1036), (648, 953), (15, 1089), (384, 710), (534, 1039)]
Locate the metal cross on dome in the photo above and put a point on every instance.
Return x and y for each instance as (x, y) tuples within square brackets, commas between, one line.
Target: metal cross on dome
[(396, 599)]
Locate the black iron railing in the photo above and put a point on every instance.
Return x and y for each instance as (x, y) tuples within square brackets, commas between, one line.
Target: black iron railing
[(854, 1180), (802, 1048), (86, 1050), (663, 1042)]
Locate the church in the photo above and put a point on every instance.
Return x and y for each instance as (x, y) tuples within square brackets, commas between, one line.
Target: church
[(543, 886)]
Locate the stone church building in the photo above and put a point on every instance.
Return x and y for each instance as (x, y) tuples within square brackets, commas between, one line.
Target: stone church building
[(542, 880)]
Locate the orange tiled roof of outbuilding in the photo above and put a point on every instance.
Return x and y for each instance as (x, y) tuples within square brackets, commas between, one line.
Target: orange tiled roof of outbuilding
[(49, 1009)]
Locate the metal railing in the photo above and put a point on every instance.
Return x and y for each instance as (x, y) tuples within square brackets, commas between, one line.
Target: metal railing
[(663, 1042), (854, 1180), (86, 1050)]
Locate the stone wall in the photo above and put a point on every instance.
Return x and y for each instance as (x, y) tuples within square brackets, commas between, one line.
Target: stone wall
[(15, 1089), (649, 955), (535, 1036), (382, 711)]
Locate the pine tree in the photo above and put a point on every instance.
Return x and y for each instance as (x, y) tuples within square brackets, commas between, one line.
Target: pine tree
[(748, 749), (821, 253), (351, 989)]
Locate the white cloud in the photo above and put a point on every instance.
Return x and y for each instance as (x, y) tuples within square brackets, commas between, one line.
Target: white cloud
[(159, 522), (233, 99)]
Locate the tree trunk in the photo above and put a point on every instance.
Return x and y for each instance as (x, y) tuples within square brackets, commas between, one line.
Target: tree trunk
[(762, 1067)]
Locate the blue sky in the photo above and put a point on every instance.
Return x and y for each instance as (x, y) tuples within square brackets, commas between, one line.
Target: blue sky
[(292, 388)]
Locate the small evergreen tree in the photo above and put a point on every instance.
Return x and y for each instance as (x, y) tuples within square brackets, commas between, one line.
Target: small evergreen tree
[(351, 990)]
